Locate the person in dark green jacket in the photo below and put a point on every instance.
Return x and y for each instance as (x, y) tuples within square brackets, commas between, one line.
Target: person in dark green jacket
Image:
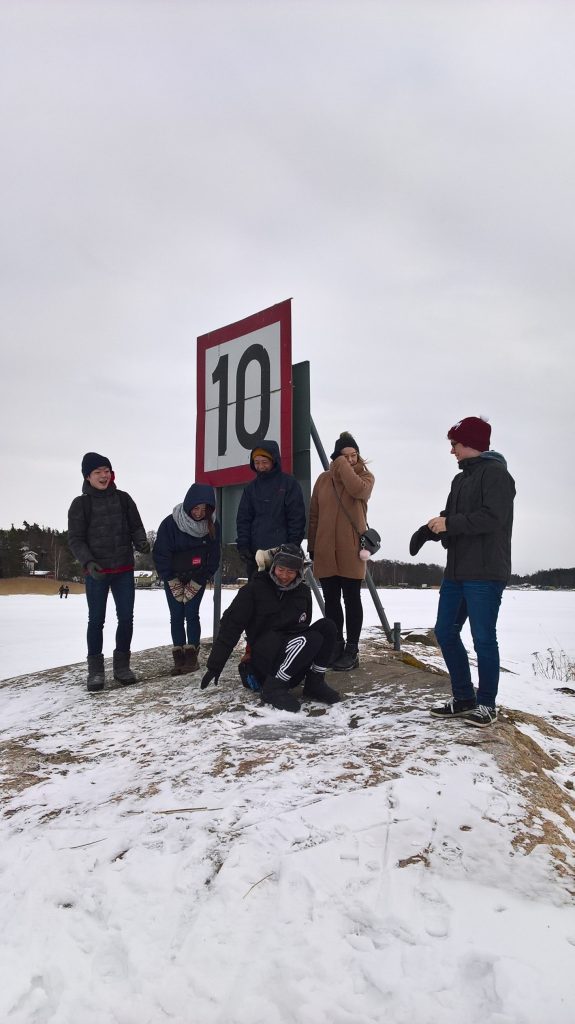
[(104, 527), (475, 528)]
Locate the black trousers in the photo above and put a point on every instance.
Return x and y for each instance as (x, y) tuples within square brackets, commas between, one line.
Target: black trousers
[(334, 587), (313, 646)]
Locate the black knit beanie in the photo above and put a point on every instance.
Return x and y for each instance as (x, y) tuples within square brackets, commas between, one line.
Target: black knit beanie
[(92, 461), (344, 440)]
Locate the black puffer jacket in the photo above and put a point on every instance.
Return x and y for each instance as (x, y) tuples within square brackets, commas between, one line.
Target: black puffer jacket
[(105, 527), (479, 515), (269, 615), (271, 510)]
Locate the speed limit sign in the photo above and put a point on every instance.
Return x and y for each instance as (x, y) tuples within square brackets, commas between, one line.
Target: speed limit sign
[(244, 395)]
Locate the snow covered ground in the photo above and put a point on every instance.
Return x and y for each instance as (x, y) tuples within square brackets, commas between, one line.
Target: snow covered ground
[(171, 854)]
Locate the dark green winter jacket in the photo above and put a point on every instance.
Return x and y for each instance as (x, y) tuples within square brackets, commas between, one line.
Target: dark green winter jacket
[(105, 527), (479, 515)]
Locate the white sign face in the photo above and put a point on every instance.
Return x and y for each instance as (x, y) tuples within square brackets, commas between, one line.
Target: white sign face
[(243, 392), (244, 395)]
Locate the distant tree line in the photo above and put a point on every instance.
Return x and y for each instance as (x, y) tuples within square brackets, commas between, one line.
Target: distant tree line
[(52, 554)]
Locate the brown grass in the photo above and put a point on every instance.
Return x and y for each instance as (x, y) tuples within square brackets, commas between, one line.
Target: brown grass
[(36, 585)]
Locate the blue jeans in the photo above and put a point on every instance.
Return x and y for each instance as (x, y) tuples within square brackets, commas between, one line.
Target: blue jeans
[(184, 616), (478, 600), (122, 586)]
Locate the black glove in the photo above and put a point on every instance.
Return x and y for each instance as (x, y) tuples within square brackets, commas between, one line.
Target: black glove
[(246, 554), (310, 554), (420, 537), (95, 571), (145, 548), (207, 678)]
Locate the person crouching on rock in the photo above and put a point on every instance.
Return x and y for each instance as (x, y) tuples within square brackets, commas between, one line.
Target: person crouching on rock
[(186, 555), (275, 608)]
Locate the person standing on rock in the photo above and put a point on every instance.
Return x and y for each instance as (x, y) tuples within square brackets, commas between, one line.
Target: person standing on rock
[(186, 555), (104, 527), (337, 517), (475, 528), (271, 510)]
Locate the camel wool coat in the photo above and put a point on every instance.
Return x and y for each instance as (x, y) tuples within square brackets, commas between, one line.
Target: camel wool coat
[(331, 536)]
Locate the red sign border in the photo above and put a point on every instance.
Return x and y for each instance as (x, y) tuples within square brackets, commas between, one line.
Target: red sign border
[(280, 313)]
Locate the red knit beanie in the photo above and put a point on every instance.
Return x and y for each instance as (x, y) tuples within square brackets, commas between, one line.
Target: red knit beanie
[(473, 432)]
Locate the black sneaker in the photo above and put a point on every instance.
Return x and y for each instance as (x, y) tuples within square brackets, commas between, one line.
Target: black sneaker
[(453, 709), (481, 716)]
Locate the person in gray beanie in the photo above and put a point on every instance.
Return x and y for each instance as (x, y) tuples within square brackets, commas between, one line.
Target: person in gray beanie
[(104, 527)]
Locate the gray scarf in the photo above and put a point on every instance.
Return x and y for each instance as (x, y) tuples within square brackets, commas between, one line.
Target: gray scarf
[(186, 524)]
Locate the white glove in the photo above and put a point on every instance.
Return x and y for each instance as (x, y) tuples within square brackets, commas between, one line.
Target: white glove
[(264, 558), (190, 590)]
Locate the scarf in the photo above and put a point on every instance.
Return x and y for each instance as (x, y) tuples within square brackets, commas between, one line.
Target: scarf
[(186, 524)]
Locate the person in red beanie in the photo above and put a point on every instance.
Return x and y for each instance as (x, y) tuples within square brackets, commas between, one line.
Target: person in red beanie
[(475, 528)]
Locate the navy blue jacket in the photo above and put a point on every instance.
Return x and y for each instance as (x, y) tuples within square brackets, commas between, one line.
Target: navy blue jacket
[(272, 509), (179, 555)]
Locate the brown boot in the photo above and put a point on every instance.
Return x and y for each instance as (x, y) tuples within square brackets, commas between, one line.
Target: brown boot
[(191, 658), (178, 656)]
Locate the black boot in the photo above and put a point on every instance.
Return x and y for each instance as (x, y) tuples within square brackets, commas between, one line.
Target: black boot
[(96, 678), (122, 671), (316, 688), (348, 660), (178, 656), (276, 693), (338, 649)]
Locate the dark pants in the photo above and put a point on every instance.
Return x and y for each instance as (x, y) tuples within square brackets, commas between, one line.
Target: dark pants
[(334, 587), (184, 617), (478, 601), (312, 647), (122, 586)]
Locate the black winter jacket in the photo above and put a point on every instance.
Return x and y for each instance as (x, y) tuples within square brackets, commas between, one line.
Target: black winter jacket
[(105, 527), (479, 515), (269, 615), (271, 510), (180, 555)]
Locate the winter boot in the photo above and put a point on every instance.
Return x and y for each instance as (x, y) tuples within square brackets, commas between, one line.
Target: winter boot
[(276, 693), (190, 659), (122, 671), (96, 679), (338, 649), (316, 688), (178, 656), (348, 660)]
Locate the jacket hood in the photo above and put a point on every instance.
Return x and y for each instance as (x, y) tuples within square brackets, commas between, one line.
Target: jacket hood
[(495, 457), (269, 446), (199, 494)]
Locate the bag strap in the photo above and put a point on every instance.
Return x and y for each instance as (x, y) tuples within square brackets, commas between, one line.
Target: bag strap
[(346, 513)]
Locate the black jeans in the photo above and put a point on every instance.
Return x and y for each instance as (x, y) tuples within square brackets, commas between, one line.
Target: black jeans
[(122, 586), (312, 648), (334, 587)]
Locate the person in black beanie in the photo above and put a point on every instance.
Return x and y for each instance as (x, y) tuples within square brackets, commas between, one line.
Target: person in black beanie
[(104, 527), (337, 518)]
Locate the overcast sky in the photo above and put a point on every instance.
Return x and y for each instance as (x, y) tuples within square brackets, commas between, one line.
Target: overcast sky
[(404, 171)]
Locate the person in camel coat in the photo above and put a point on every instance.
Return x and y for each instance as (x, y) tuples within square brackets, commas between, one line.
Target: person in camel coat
[(337, 516)]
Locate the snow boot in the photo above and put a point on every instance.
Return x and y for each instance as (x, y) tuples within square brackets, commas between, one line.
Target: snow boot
[(348, 660), (276, 693), (190, 659), (178, 656), (338, 649), (122, 671), (96, 678), (316, 688)]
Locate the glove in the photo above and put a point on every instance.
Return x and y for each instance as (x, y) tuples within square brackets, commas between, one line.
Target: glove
[(177, 589), (246, 554), (264, 558), (207, 678), (190, 590), (95, 571), (420, 537), (310, 554), (145, 548)]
